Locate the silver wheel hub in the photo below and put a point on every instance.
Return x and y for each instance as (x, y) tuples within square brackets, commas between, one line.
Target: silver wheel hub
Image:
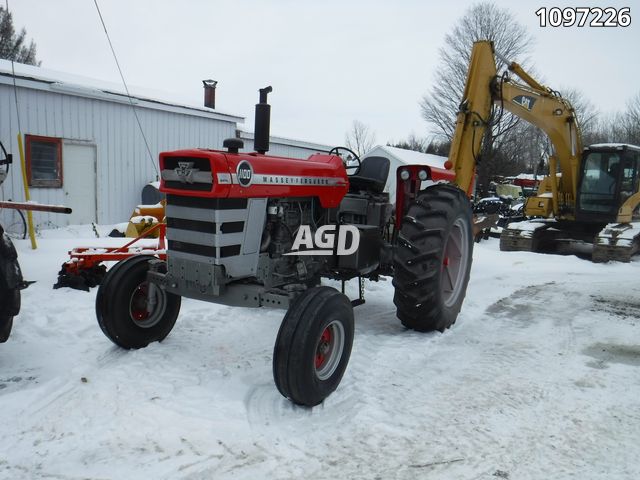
[(455, 261)]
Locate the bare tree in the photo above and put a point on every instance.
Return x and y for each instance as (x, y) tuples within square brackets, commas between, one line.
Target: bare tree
[(623, 127), (413, 142), (12, 45), (360, 138), (586, 113), (483, 21), (631, 120)]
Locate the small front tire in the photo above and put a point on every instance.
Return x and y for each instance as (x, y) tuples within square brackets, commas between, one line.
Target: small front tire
[(122, 305), (313, 346)]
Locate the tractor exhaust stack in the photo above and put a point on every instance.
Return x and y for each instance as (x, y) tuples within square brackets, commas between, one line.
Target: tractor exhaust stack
[(262, 123)]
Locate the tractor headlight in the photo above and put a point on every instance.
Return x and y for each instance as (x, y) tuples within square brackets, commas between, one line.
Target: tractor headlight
[(404, 174), (423, 175)]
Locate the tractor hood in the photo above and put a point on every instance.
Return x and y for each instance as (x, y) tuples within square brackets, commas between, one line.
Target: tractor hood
[(218, 174)]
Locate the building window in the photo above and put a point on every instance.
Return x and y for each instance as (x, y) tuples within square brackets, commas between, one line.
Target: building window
[(44, 161)]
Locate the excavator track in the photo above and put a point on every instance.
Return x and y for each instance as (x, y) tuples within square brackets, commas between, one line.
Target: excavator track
[(617, 242), (614, 243), (522, 236)]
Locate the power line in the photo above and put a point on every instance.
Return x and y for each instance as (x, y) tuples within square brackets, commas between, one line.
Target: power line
[(135, 112), (15, 95), (15, 87)]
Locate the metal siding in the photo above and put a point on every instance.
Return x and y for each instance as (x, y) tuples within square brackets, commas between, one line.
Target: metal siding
[(123, 164), (282, 150)]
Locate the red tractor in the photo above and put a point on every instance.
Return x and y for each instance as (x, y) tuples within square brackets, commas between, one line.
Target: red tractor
[(254, 230)]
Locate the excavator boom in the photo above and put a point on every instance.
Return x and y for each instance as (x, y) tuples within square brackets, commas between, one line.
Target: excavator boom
[(529, 100), (559, 199)]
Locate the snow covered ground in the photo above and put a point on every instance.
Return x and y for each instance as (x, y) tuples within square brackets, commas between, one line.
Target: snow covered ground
[(539, 378)]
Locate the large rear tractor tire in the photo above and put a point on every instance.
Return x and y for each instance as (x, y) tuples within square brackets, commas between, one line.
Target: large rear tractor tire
[(6, 323), (9, 307), (123, 310), (313, 346), (432, 259), (10, 284)]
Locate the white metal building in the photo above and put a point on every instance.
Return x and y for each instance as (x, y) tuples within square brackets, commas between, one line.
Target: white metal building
[(285, 147), (82, 144), (399, 157)]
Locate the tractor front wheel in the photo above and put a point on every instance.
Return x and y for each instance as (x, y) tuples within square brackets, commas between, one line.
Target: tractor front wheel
[(132, 312), (432, 259), (313, 346)]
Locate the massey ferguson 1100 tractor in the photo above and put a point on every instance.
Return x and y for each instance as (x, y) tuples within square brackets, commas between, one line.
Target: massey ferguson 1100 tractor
[(252, 230)]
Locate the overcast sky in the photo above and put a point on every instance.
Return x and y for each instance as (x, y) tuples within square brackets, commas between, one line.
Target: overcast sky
[(329, 61)]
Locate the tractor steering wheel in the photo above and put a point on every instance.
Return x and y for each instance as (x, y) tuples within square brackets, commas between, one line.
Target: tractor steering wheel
[(354, 156)]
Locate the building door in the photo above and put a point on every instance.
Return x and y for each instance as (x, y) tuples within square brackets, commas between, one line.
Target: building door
[(79, 182)]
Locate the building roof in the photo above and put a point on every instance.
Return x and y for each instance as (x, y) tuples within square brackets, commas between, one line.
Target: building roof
[(287, 141), (408, 157), (28, 76)]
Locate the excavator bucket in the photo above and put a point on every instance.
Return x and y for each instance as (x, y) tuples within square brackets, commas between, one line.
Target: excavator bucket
[(144, 218), (482, 225), (139, 224)]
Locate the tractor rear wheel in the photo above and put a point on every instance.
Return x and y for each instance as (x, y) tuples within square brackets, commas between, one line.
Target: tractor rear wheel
[(132, 312), (6, 323), (9, 306), (313, 346), (432, 259), (10, 284)]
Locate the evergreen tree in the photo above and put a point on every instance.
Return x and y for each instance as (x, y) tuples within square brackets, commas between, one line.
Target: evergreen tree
[(13, 45)]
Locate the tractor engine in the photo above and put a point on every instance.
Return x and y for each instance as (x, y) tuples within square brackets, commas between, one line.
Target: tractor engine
[(232, 220), (284, 218), (232, 217)]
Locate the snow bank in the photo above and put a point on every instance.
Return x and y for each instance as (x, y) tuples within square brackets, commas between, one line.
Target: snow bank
[(537, 379)]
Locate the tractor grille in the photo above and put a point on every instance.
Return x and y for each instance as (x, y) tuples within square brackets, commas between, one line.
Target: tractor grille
[(187, 173), (206, 227), (214, 231)]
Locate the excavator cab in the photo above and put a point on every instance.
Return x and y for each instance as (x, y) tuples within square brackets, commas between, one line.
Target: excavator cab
[(609, 177)]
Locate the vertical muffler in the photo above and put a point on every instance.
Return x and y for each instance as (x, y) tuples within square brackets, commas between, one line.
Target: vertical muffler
[(262, 124)]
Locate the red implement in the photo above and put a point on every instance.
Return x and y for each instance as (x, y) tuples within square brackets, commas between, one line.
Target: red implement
[(85, 269)]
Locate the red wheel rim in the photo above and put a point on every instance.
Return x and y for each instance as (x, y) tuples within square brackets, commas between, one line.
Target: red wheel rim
[(324, 345), (138, 306), (143, 314), (329, 350)]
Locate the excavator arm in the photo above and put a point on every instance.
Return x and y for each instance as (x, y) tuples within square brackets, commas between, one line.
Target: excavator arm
[(539, 105)]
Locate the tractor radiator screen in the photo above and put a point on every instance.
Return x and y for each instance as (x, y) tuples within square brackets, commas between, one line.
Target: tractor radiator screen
[(215, 231), (187, 173)]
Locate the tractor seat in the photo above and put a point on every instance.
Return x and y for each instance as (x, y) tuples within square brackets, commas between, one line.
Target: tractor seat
[(372, 176)]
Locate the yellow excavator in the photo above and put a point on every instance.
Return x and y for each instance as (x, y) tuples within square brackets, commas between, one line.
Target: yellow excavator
[(591, 202)]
